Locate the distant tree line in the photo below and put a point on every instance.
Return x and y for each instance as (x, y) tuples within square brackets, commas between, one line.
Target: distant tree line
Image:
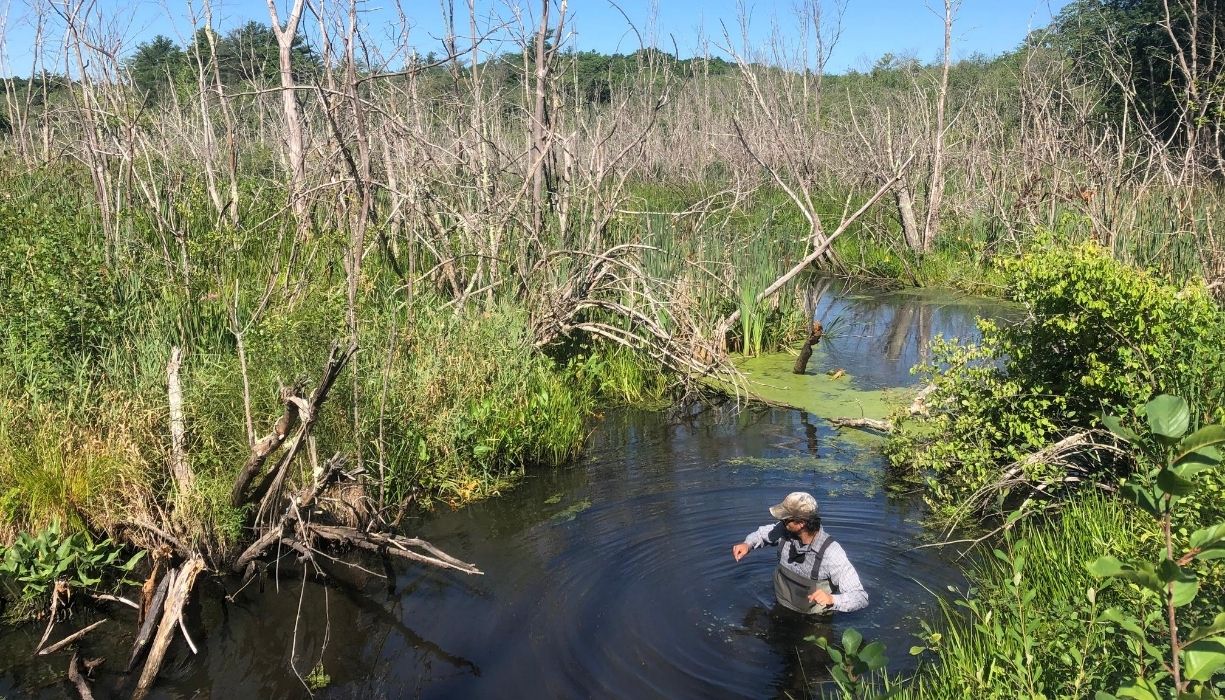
[(247, 54)]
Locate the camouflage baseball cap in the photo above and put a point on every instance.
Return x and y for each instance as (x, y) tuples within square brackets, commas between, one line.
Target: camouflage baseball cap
[(797, 504)]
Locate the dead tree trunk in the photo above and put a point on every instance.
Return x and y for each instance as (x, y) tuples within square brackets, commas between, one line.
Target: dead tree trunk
[(179, 468), (935, 184), (905, 210), (814, 337), (295, 138)]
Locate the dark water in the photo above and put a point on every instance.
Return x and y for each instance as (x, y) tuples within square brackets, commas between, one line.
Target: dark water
[(610, 578)]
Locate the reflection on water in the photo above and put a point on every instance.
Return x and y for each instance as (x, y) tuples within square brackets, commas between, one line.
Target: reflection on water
[(877, 337), (610, 578)]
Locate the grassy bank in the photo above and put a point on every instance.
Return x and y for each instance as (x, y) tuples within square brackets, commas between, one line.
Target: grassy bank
[(1031, 624), (1019, 426)]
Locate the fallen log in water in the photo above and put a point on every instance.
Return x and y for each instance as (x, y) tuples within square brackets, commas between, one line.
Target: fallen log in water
[(281, 513), (880, 426), (70, 638), (918, 407), (184, 578), (152, 617)]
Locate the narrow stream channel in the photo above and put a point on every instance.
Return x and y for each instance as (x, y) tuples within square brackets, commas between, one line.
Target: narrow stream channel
[(610, 578)]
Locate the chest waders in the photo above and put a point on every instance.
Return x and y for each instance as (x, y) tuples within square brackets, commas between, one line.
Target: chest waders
[(792, 589)]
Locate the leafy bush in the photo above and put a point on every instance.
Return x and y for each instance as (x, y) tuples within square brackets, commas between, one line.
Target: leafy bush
[(33, 563), (1100, 337), (469, 403), (1193, 658)]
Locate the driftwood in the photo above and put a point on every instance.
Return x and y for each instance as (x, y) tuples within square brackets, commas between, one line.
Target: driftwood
[(154, 614), (653, 320), (880, 426), (294, 523), (266, 445), (71, 638), (77, 678), (918, 407), (59, 593), (269, 491), (1069, 453), (393, 545), (282, 517), (814, 337), (172, 610), (115, 599)]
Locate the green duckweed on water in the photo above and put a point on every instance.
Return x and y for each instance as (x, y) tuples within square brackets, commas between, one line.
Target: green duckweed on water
[(769, 378)]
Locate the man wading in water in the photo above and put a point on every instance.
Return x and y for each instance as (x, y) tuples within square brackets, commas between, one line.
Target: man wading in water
[(813, 574)]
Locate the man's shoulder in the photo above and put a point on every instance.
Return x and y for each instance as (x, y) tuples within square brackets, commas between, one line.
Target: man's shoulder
[(772, 531), (831, 545)]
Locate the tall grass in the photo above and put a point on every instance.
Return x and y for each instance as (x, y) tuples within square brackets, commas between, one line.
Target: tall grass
[(66, 465), (1028, 626)]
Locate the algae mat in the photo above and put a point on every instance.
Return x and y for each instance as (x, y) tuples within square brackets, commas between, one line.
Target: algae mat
[(769, 378)]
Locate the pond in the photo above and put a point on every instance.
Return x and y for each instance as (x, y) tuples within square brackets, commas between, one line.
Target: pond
[(612, 577)]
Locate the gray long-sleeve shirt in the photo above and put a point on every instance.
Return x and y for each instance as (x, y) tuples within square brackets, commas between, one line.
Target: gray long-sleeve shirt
[(801, 558)]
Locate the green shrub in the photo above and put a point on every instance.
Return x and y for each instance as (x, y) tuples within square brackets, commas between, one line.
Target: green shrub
[(1099, 337), (58, 465), (1029, 626), (618, 375)]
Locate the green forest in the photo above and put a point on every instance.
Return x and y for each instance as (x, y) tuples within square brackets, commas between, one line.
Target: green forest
[(288, 287)]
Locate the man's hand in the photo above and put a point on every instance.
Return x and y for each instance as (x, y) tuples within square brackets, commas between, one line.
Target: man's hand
[(820, 596), (739, 550)]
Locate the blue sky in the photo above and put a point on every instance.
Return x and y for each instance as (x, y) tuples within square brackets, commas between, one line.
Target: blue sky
[(871, 28)]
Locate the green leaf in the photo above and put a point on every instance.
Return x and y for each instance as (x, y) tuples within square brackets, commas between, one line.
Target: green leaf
[(1171, 483), (1184, 592), (1143, 575), (1205, 536), (1105, 566), (1202, 443), (1189, 468), (1142, 497), (131, 563), (1140, 689), (1217, 625), (87, 580), (1211, 552), (1204, 658), (1114, 425), (851, 639), (1103, 695), (873, 655), (1168, 416)]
